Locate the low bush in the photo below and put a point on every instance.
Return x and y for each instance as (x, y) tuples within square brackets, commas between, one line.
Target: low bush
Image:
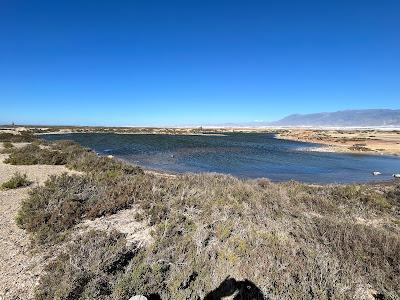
[(240, 230), (16, 181), (91, 162), (394, 195), (359, 147), (294, 241), (33, 154), (23, 136), (73, 156), (76, 275), (8, 145), (51, 210)]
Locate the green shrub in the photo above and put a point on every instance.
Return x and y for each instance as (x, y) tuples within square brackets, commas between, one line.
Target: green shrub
[(24, 136), (91, 162), (51, 210), (141, 278), (16, 181), (393, 195), (8, 145), (76, 275), (33, 154), (73, 155), (19, 158)]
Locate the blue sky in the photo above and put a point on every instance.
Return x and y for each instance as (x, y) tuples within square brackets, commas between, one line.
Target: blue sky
[(194, 62)]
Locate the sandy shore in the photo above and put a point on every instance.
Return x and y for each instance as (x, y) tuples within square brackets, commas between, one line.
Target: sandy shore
[(19, 268), (367, 141)]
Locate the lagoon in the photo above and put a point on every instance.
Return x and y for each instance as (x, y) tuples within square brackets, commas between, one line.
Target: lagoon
[(246, 155)]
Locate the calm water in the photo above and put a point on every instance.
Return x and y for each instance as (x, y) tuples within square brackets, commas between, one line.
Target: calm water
[(243, 155)]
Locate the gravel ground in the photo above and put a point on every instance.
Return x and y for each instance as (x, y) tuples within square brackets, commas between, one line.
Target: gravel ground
[(19, 268)]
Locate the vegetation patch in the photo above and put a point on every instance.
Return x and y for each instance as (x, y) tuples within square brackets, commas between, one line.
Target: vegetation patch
[(8, 145), (33, 154), (360, 147), (72, 155), (87, 267), (23, 136), (51, 210), (16, 181), (291, 244)]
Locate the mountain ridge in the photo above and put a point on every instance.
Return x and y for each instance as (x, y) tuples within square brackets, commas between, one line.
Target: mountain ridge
[(363, 117), (341, 118)]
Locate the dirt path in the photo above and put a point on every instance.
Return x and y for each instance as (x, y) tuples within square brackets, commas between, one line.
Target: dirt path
[(19, 269)]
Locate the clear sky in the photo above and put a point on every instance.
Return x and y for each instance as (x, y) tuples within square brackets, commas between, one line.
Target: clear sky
[(194, 62)]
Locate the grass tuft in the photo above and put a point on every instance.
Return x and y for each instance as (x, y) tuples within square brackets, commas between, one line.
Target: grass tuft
[(16, 181), (8, 145)]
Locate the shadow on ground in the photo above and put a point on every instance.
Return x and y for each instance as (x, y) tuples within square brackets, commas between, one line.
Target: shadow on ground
[(238, 290)]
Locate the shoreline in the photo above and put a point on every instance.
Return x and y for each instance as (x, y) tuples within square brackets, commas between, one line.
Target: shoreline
[(174, 174), (369, 141), (320, 144), (351, 142), (135, 133), (314, 147)]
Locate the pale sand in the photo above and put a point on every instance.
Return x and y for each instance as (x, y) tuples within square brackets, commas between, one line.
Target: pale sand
[(125, 222), (339, 140), (19, 268)]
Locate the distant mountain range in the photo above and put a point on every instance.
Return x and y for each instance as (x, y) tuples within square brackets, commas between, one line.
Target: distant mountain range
[(344, 118), (349, 118)]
